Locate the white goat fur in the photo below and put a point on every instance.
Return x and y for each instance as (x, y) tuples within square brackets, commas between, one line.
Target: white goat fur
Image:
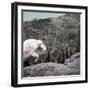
[(30, 46)]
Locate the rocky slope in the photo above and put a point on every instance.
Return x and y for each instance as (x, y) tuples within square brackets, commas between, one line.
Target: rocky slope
[(70, 67)]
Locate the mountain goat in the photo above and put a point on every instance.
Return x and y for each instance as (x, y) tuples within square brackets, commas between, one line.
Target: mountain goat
[(30, 46)]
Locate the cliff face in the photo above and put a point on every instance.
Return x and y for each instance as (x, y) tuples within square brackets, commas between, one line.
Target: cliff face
[(61, 35)]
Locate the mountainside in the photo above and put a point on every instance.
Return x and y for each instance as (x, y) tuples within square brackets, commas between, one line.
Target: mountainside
[(61, 35)]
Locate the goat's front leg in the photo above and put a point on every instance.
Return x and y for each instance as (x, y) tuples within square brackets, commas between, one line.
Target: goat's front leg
[(35, 55)]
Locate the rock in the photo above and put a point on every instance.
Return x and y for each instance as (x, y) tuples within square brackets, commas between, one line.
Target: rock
[(73, 58), (52, 69)]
